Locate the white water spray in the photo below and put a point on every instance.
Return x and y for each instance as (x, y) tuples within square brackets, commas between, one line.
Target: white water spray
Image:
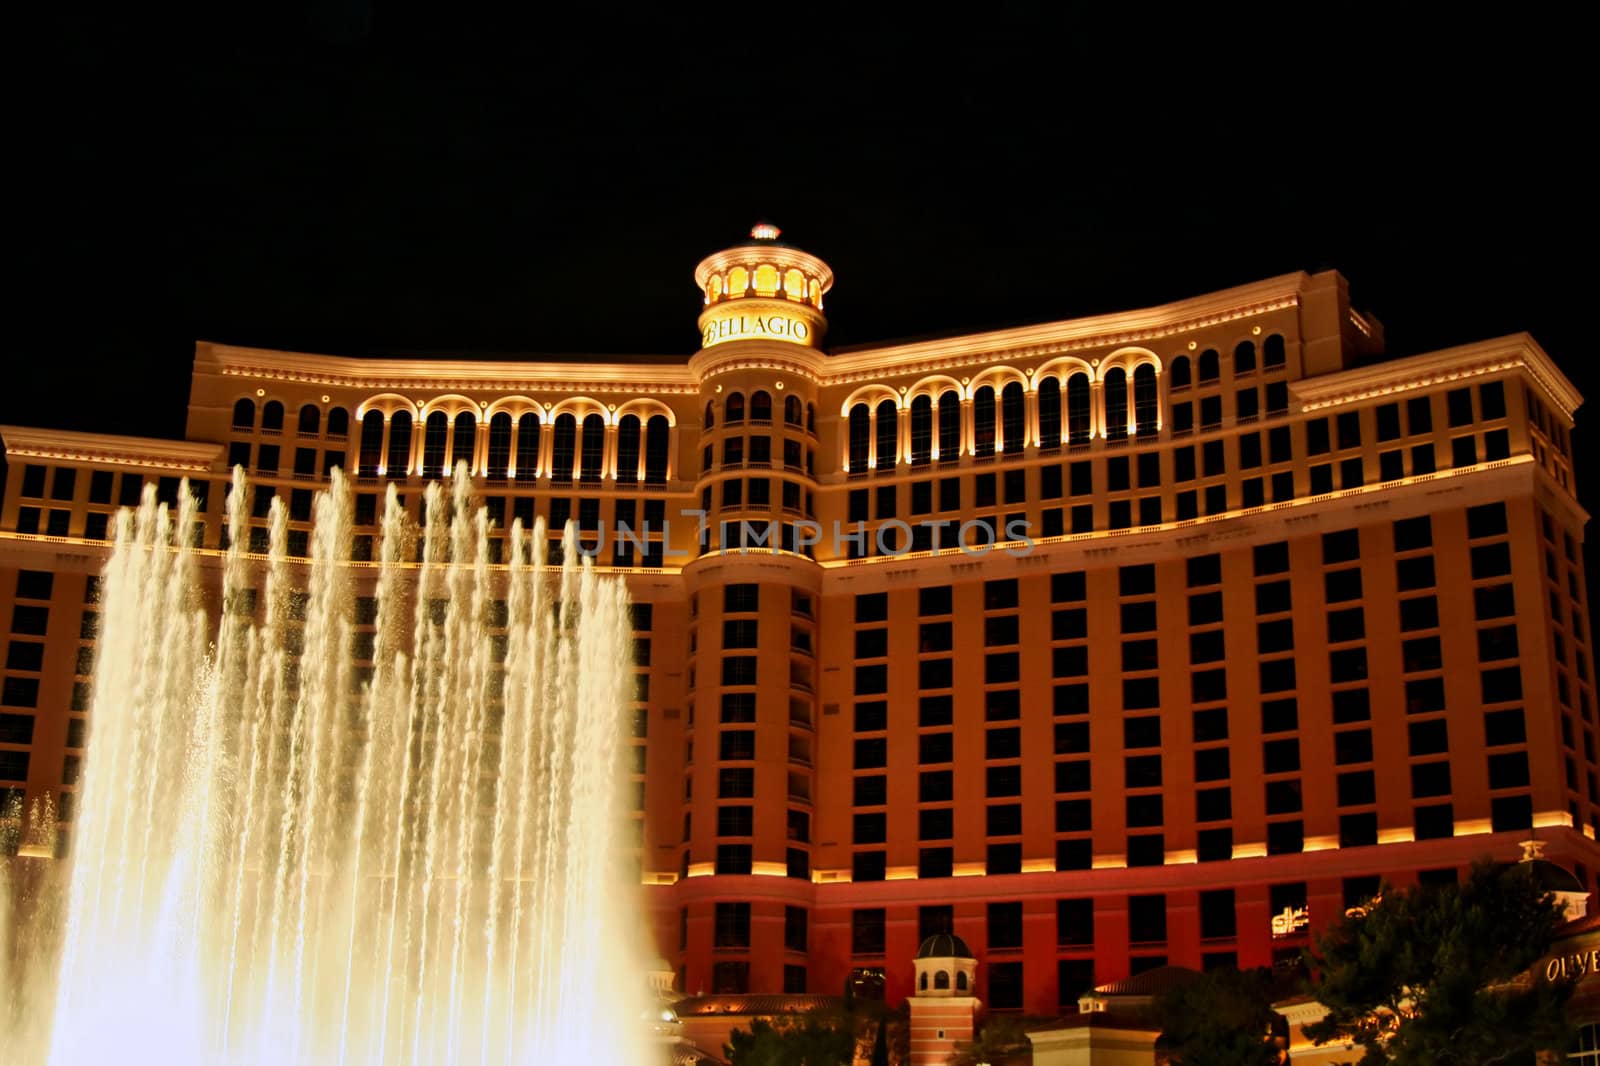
[(280, 861)]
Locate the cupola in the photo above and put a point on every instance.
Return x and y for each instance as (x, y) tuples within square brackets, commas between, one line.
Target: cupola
[(762, 290)]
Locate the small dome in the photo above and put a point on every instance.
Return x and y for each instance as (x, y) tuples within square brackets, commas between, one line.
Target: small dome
[(1546, 874), (944, 946), (1552, 878)]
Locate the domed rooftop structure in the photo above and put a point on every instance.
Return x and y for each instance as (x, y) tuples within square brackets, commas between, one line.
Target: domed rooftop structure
[(1546, 874), (1556, 880), (944, 946), (762, 289)]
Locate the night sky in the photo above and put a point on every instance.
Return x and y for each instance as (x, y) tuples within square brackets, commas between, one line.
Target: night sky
[(348, 179)]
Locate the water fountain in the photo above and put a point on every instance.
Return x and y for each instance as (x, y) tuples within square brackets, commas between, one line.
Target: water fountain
[(282, 858)]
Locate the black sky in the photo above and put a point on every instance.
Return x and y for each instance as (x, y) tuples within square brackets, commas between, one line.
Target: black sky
[(342, 178)]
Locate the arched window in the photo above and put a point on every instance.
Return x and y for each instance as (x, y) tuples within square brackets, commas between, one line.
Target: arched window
[(733, 409), (371, 443), (1272, 351), (1012, 420), (629, 439), (563, 447), (594, 447), (1078, 420), (793, 410), (1210, 366), (1049, 401), (1146, 401), (941, 980), (464, 442), (922, 430), (657, 435), (528, 447), (1244, 358), (961, 982), (499, 446), (1178, 373), (983, 422), (860, 437), (435, 439), (1116, 401), (760, 406), (244, 414), (922, 981), (338, 422), (310, 420), (272, 417), (949, 426), (811, 418), (710, 420), (398, 462), (888, 434)]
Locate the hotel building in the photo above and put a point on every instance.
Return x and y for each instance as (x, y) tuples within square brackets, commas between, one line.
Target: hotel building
[(1149, 638)]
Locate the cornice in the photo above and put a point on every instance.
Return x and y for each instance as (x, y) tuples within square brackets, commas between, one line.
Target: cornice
[(747, 255), (1518, 351), (61, 445), (807, 363), (1072, 335), (586, 375)]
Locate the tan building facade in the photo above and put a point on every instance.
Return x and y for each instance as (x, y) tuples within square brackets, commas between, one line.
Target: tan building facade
[(1143, 639)]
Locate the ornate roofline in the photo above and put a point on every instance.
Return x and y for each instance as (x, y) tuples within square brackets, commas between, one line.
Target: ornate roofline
[(64, 445), (1517, 351), (583, 374), (1078, 334)]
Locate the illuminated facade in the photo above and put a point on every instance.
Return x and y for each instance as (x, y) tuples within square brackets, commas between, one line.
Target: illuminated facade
[(1229, 615)]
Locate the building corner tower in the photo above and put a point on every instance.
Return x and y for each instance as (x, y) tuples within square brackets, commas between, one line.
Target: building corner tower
[(754, 592)]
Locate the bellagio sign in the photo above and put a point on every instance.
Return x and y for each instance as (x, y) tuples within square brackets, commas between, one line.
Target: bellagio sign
[(738, 324)]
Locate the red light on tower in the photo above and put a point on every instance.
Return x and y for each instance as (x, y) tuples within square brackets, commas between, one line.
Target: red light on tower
[(765, 231)]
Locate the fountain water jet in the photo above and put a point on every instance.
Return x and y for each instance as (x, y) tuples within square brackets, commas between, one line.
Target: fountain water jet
[(280, 860)]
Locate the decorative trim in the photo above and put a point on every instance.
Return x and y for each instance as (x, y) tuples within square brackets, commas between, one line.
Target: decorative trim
[(1518, 351), (580, 375), (70, 446)]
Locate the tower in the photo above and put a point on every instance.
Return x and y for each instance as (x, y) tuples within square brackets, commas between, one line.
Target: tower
[(944, 1006), (754, 594)]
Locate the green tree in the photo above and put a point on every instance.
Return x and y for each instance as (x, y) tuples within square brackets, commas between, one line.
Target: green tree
[(1001, 1039), (813, 1039), (1222, 1018), (880, 1044), (1427, 976)]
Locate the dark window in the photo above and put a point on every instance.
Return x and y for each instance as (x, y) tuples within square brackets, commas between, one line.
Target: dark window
[(1285, 838), (935, 862), (1486, 520), (1218, 914), (869, 866), (1211, 764), (733, 859), (1430, 779), (1213, 804), (872, 791), (1147, 919), (866, 931), (1508, 770), (1433, 822), (1492, 400), (1511, 812), (1147, 850), (1504, 727)]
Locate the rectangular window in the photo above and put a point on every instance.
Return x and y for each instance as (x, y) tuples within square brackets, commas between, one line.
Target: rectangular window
[(867, 931)]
